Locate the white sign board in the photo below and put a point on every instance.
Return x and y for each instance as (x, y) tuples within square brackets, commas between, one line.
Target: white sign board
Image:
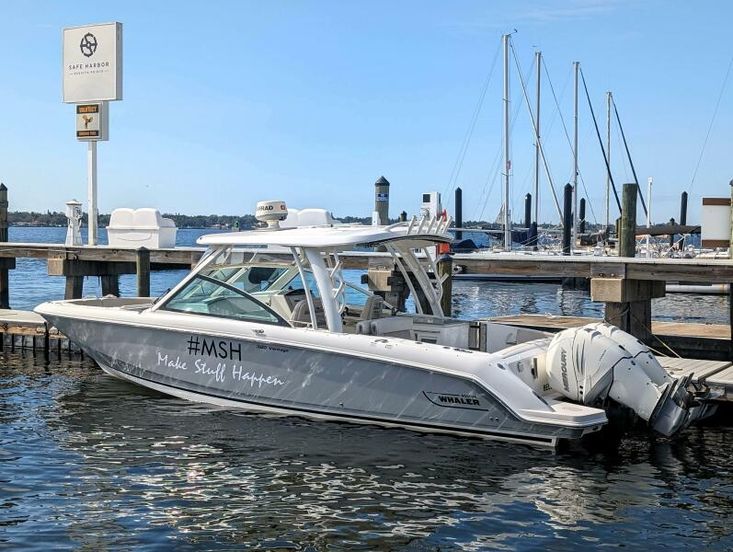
[(715, 216), (92, 122), (92, 63)]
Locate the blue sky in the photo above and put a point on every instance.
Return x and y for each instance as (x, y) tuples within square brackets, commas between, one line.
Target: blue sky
[(227, 103)]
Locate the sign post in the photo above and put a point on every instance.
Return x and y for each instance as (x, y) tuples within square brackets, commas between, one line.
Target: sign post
[(92, 76), (92, 126)]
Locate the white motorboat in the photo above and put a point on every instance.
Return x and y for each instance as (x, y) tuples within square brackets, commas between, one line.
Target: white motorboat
[(250, 329)]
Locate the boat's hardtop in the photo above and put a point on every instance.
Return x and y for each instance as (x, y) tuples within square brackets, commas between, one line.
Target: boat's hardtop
[(336, 236)]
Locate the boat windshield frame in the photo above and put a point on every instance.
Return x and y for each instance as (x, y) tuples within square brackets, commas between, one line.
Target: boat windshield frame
[(277, 319), (324, 265)]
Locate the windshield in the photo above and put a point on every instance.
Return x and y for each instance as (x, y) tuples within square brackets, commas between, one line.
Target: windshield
[(223, 289)]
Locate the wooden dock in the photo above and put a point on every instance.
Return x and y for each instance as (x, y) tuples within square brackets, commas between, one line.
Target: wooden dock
[(25, 330), (625, 284)]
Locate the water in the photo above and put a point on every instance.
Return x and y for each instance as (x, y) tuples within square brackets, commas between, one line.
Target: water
[(90, 462)]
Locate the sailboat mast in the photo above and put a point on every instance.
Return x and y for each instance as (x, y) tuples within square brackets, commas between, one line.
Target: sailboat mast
[(649, 216), (573, 241), (608, 157), (538, 56), (507, 161)]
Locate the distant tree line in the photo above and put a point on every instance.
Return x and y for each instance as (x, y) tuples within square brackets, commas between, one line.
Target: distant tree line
[(49, 218)]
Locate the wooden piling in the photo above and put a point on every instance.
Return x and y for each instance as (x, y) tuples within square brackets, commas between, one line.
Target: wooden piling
[(459, 212), (527, 211), (567, 219), (74, 287), (683, 209), (730, 287), (628, 300), (581, 216), (4, 283), (143, 272), (110, 284), (445, 273), (627, 239), (730, 318)]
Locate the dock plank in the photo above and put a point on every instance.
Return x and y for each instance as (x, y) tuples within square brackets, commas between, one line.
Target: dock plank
[(659, 327), (724, 380), (702, 370)]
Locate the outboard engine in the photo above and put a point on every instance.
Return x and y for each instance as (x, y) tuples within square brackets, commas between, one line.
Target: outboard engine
[(600, 361)]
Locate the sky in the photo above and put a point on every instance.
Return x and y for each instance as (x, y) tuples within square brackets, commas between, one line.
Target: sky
[(230, 102)]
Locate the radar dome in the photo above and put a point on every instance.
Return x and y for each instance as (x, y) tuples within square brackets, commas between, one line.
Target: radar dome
[(271, 212)]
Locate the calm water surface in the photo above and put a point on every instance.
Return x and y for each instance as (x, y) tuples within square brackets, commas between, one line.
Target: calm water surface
[(90, 462)]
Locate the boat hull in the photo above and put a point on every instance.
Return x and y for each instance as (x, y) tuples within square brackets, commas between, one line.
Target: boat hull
[(262, 374)]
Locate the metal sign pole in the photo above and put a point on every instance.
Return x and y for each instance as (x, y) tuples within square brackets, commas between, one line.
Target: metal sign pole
[(92, 182)]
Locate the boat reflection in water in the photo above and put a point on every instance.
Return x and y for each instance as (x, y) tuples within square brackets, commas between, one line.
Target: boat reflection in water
[(93, 462), (193, 474)]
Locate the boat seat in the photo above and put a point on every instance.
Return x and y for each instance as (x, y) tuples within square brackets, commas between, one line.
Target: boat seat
[(393, 326), (301, 314), (372, 308)]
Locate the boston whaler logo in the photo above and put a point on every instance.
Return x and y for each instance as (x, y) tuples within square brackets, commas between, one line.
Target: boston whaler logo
[(88, 45), (452, 400)]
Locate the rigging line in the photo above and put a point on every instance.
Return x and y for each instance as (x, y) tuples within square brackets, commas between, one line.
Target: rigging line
[(495, 170), (495, 165), (513, 122), (458, 164), (587, 196), (628, 154), (712, 121), (618, 145), (567, 137), (534, 128), (557, 105), (590, 203), (600, 141), (518, 109)]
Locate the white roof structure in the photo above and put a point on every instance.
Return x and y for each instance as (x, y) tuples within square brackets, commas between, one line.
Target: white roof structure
[(339, 236)]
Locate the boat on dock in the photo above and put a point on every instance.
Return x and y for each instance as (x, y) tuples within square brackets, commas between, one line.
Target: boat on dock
[(289, 336)]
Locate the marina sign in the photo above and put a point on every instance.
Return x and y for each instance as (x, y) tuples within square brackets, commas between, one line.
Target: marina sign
[(92, 122), (92, 63)]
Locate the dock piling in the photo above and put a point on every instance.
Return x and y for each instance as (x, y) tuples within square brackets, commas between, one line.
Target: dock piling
[(445, 273), (683, 209), (74, 287), (4, 284), (459, 213), (730, 287), (110, 284), (143, 272), (628, 300), (581, 216), (627, 239), (567, 218), (527, 211), (381, 200)]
